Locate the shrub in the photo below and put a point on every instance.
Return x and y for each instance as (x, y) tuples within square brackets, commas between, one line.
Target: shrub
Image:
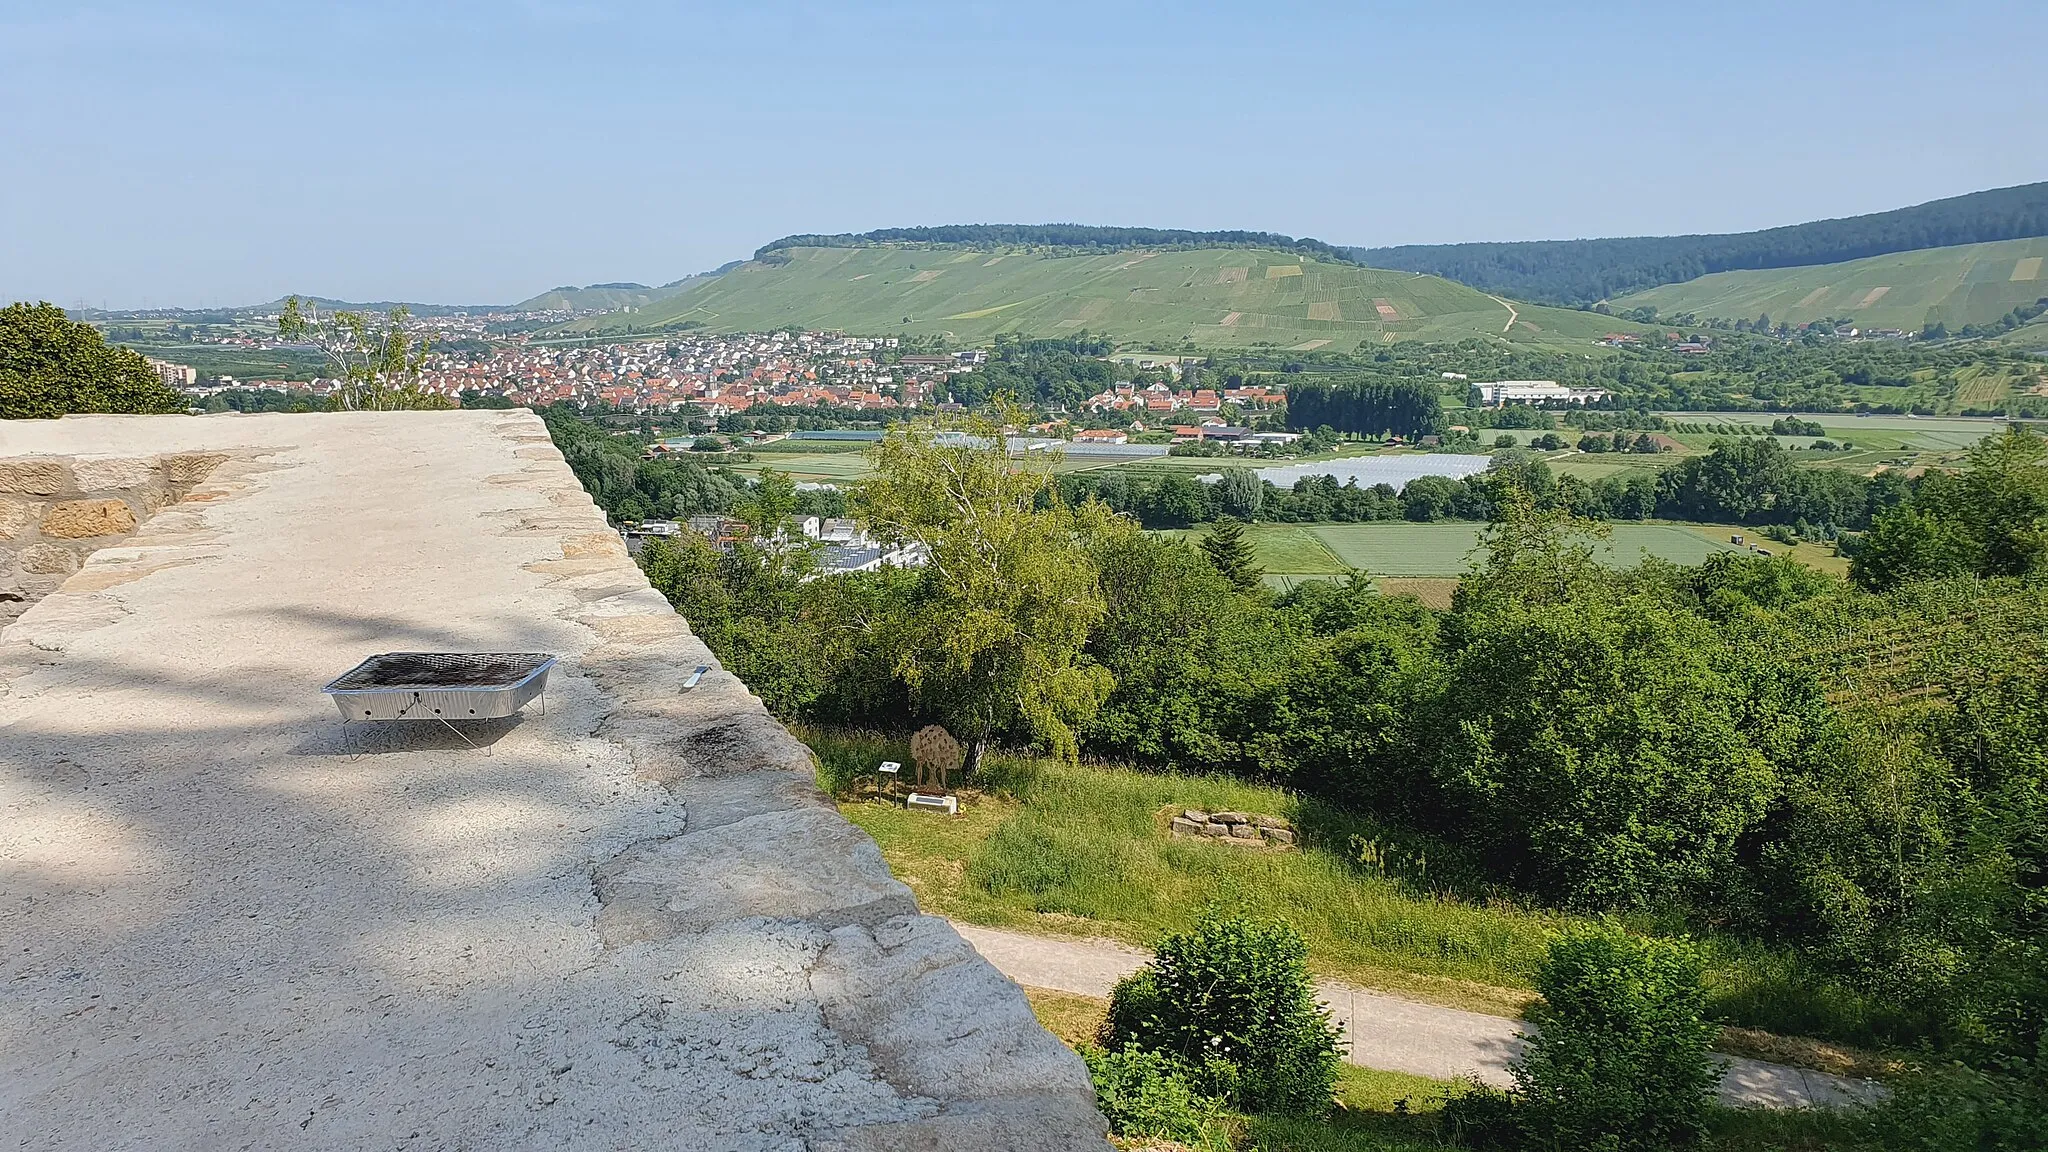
[(1150, 1094), (1622, 1061), (1231, 999), (1962, 1109)]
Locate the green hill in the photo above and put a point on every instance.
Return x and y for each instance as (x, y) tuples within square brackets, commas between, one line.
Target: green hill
[(1212, 297), (600, 297), (1966, 284), (1587, 271)]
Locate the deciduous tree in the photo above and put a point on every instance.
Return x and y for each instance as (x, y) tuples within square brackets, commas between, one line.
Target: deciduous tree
[(1007, 596), (51, 365), (376, 361)]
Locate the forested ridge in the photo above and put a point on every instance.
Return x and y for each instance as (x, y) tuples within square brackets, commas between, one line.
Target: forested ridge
[(1087, 237), (1583, 272)]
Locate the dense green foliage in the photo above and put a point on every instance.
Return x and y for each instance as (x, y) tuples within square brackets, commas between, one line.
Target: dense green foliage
[(1620, 1061), (1060, 372), (1365, 407), (51, 365), (1989, 520), (1575, 272), (1231, 1001), (625, 484), (1151, 1094), (1084, 237)]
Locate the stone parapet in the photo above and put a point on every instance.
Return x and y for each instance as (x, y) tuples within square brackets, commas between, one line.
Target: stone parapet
[(624, 918)]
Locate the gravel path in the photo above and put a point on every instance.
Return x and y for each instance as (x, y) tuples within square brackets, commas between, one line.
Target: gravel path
[(1387, 1032)]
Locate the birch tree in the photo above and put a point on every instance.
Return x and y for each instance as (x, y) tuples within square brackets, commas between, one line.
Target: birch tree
[(376, 360), (1007, 597)]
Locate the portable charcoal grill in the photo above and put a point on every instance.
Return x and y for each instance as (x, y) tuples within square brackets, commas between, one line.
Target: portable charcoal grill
[(444, 686)]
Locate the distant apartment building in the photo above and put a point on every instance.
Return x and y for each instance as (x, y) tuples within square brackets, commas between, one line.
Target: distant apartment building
[(175, 375), (1535, 392)]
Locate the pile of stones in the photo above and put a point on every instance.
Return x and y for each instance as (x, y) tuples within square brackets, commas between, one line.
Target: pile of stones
[(1240, 828)]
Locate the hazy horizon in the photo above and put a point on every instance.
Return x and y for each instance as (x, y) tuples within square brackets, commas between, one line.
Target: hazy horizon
[(188, 155)]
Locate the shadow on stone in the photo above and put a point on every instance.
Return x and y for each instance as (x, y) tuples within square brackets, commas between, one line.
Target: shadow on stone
[(378, 738)]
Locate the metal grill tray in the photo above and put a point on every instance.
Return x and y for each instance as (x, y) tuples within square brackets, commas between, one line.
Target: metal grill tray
[(440, 685)]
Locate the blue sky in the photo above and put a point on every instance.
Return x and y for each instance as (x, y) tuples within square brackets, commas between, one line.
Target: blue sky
[(174, 153)]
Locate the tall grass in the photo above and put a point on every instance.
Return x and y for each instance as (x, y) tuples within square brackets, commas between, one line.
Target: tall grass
[(1082, 849)]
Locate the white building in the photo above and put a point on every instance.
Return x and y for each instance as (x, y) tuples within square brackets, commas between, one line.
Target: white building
[(1535, 392), (175, 375)]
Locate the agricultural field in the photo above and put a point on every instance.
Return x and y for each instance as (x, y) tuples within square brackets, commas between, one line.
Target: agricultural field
[(1890, 432), (1416, 557), (298, 364), (1966, 284), (1447, 549), (1210, 298)]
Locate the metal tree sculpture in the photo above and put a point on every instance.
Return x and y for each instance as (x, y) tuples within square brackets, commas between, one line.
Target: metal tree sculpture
[(936, 753)]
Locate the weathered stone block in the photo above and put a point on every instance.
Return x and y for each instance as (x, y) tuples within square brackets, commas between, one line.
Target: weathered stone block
[(79, 519), (1230, 818), (16, 516), (148, 498), (1194, 814), (1215, 830), (34, 476), (592, 545), (185, 469), (104, 473), (1184, 827), (1269, 822), (1244, 831), (49, 560), (1278, 835)]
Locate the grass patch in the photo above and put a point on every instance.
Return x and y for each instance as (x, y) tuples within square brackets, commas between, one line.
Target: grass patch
[(1435, 591)]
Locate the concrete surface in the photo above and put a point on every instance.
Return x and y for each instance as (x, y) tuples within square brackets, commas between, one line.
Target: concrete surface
[(1387, 1032), (628, 921)]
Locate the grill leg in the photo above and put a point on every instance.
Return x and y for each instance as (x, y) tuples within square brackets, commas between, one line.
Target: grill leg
[(465, 739)]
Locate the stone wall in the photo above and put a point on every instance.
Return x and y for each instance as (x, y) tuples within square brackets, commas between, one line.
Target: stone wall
[(57, 510), (1239, 828)]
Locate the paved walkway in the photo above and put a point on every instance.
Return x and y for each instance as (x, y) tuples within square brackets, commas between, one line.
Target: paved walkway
[(1387, 1032)]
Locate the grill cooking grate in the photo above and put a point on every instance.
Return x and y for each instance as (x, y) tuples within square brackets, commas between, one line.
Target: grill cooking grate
[(427, 671), (443, 686)]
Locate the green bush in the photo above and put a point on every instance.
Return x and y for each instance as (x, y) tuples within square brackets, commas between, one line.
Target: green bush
[(1231, 999), (1150, 1094), (1621, 1063)]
